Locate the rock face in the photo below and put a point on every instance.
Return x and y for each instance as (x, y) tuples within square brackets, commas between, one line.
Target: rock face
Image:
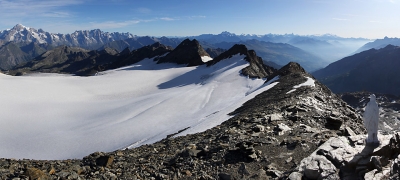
[(256, 69), (187, 52), (267, 138), (374, 70), (52, 61), (11, 55)]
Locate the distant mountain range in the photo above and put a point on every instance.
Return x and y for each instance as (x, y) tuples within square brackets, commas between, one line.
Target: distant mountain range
[(374, 70), (21, 44), (88, 39), (328, 47), (79, 61), (279, 53)]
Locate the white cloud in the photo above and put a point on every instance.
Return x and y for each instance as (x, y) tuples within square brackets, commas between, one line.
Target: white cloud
[(60, 14), (168, 19), (27, 8)]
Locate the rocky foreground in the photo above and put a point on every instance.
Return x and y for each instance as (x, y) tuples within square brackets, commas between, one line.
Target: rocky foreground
[(276, 135), (350, 158)]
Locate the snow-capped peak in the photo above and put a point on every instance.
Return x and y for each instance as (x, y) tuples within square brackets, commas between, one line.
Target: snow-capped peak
[(19, 27), (226, 33), (90, 39)]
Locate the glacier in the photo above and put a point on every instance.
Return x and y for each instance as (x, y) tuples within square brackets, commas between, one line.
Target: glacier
[(53, 116)]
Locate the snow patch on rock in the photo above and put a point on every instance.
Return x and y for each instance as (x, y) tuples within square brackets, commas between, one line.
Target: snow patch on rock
[(309, 82)]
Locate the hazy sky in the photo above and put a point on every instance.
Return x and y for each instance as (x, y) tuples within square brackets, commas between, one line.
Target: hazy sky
[(346, 18)]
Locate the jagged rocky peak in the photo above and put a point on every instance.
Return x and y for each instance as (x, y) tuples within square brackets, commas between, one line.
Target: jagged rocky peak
[(109, 50), (188, 52), (235, 49), (60, 54), (125, 51), (256, 69), (150, 51), (157, 45), (291, 67), (69, 49)]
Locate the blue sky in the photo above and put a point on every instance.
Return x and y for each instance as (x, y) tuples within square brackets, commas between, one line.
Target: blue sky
[(346, 18)]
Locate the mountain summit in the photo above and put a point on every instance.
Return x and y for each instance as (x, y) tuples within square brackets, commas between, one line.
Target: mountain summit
[(188, 52), (256, 69)]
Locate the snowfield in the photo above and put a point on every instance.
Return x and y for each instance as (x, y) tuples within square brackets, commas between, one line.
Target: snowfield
[(51, 116)]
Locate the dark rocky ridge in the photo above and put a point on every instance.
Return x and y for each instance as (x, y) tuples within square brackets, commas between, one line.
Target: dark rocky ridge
[(256, 69), (187, 52), (266, 139), (372, 70), (53, 61), (78, 61), (379, 43), (156, 49)]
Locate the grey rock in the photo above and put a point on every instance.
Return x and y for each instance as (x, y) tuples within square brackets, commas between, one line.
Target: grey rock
[(318, 167), (281, 129), (350, 132), (274, 117), (224, 176), (258, 128), (295, 176)]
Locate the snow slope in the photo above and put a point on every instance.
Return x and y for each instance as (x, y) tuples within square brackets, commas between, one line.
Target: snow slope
[(49, 116)]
